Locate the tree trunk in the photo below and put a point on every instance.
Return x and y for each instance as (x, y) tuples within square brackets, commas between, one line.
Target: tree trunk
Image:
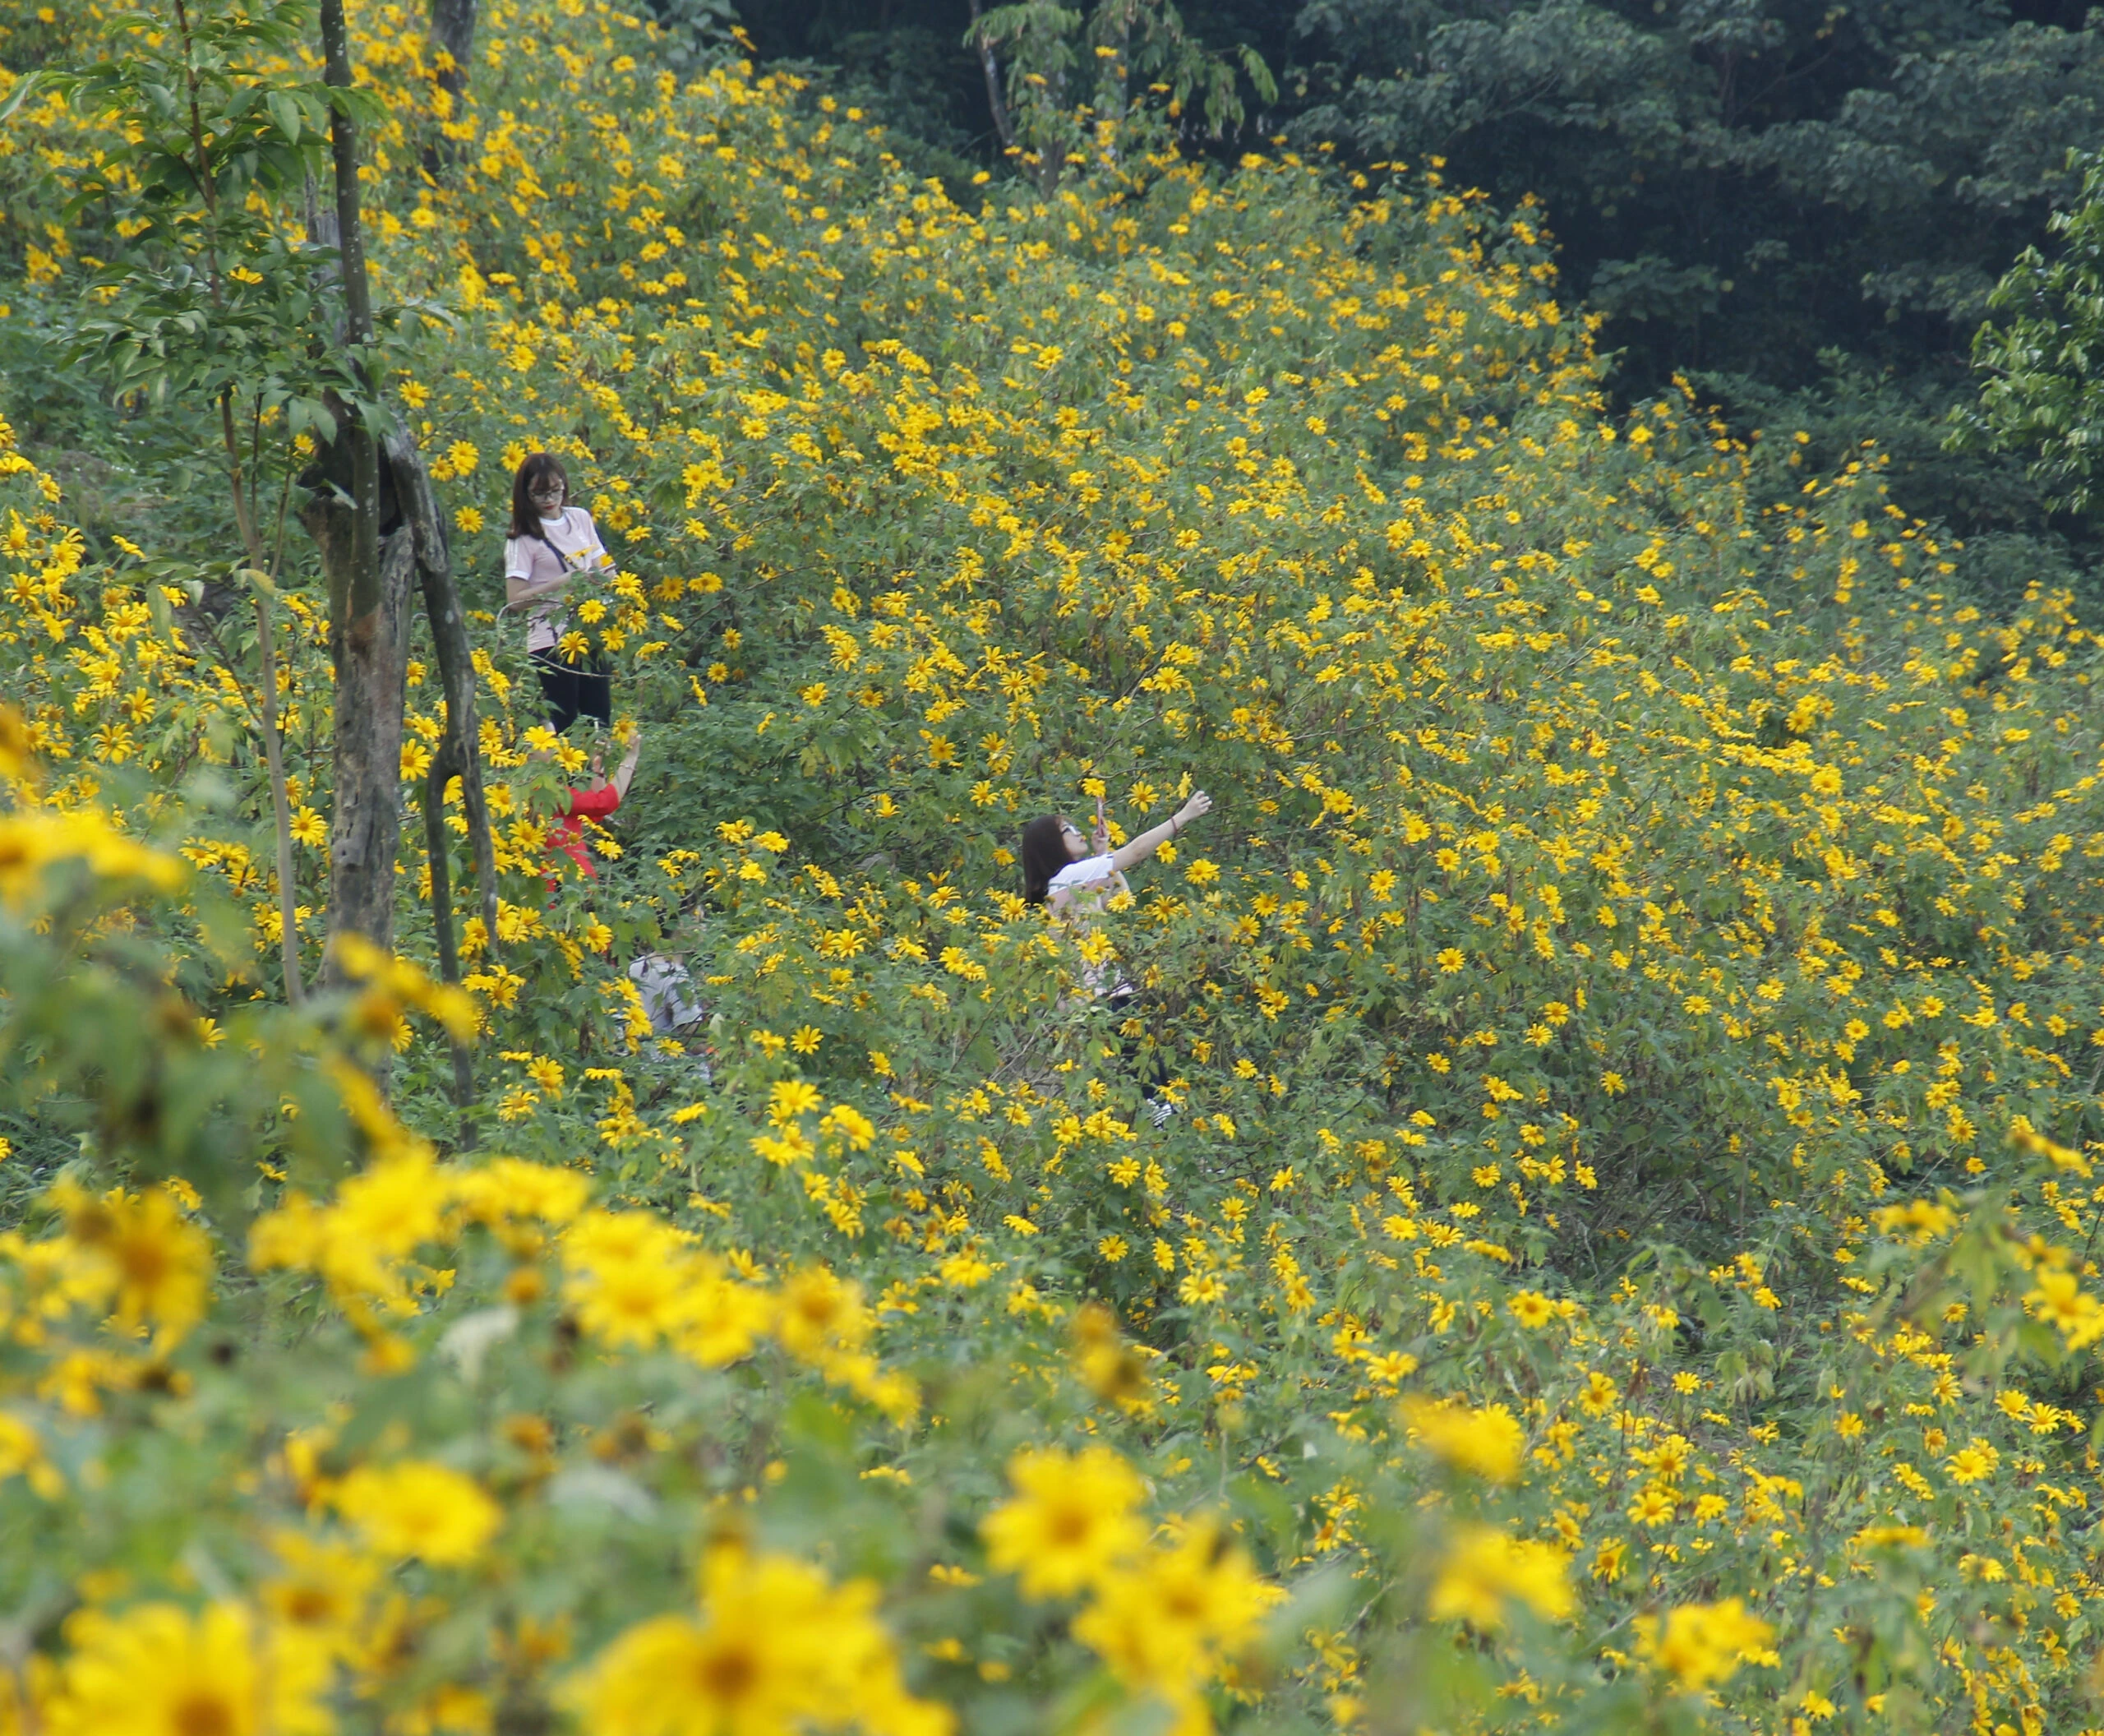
[(991, 68), (370, 651), (1114, 27), (281, 807), (453, 31), (444, 766), (262, 580), (368, 640), (460, 754), (456, 667), (453, 27), (344, 152)]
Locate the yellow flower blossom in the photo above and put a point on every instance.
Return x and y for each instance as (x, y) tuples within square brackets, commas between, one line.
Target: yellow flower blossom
[(773, 1647), (418, 1508), (158, 1670), (1070, 1521), (1700, 1645), (1487, 1443), (1483, 1571)]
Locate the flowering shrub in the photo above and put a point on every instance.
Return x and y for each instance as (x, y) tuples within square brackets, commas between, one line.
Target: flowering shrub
[(1622, 1258)]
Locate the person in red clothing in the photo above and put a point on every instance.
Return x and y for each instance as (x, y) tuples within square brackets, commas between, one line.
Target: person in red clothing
[(595, 801)]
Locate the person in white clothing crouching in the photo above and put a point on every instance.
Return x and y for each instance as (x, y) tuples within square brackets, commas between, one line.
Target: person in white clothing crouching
[(673, 1005), (1075, 877)]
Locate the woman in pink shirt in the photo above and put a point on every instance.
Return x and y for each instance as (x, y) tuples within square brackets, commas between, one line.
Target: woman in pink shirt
[(550, 540)]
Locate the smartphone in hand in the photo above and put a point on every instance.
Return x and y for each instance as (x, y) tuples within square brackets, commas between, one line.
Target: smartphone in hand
[(1102, 829)]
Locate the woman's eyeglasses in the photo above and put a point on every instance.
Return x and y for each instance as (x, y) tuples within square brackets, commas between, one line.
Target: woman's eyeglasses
[(548, 490)]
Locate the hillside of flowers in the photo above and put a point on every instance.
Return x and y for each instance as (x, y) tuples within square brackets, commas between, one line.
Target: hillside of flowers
[(1622, 1257)]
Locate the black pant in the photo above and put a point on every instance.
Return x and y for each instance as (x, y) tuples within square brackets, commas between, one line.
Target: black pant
[(1148, 1071), (573, 690)]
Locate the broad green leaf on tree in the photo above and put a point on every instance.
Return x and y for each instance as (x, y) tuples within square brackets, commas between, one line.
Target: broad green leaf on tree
[(1119, 79), (2044, 355)]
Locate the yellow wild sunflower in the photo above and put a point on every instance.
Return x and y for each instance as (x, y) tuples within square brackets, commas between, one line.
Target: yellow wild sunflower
[(153, 1265), (1484, 1570), (775, 1647), (1487, 1443), (1163, 1621), (418, 1508), (1072, 1519), (159, 1670)]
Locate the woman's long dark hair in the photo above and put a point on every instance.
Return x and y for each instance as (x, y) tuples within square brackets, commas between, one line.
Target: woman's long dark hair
[(1044, 852), (525, 515)]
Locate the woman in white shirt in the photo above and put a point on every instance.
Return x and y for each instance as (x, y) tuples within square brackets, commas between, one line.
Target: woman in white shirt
[(1062, 871), (550, 540), (1073, 881)]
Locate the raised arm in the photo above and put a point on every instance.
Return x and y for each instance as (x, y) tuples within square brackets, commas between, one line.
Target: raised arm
[(626, 769), (1134, 851)]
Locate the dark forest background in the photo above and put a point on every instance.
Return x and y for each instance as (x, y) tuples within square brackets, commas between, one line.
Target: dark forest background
[(1800, 204)]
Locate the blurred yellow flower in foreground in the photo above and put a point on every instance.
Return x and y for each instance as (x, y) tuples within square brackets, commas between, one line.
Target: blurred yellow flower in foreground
[(1698, 1644), (158, 1670), (417, 1508), (1166, 1621), (1071, 1521), (139, 1256), (30, 842), (1486, 1443), (775, 1648), (1485, 1569)]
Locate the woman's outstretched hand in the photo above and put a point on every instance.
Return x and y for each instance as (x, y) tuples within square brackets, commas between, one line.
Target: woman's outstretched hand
[(1137, 849), (626, 769)]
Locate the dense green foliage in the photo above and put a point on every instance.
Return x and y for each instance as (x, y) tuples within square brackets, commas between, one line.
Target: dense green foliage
[(1622, 1259), (1805, 206), (2041, 397)]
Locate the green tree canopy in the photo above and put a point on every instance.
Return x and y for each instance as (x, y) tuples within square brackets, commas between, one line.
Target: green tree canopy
[(2044, 358)]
